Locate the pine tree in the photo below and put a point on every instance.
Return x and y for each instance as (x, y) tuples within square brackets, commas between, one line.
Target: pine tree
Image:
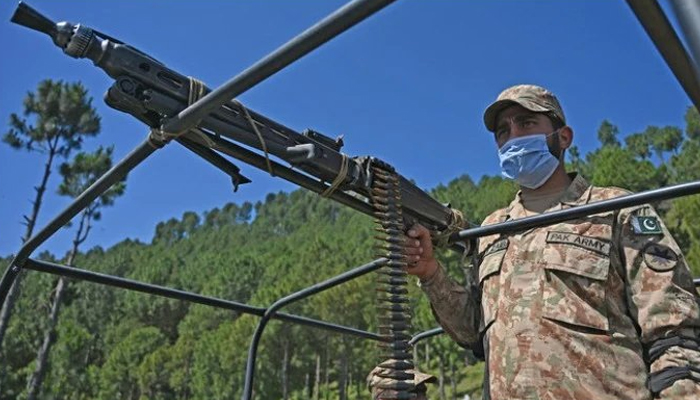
[(54, 122), (78, 175)]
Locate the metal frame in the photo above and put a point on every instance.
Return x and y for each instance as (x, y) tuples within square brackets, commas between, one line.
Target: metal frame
[(650, 15)]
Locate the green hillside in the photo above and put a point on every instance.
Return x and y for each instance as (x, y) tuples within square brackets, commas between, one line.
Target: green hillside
[(116, 344)]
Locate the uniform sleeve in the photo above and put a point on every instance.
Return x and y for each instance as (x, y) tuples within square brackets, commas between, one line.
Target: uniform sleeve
[(455, 307), (663, 302)]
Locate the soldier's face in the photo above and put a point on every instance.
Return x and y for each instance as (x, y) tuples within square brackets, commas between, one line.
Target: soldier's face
[(516, 121)]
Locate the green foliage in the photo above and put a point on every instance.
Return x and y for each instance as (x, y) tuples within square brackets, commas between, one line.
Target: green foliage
[(663, 140), (692, 124), (576, 163), (55, 120), (122, 375), (78, 175), (617, 166), (61, 115), (119, 344), (682, 218), (477, 200), (84, 170), (607, 134), (686, 164), (639, 144)]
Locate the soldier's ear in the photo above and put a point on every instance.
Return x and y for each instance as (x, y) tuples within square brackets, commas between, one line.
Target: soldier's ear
[(566, 137)]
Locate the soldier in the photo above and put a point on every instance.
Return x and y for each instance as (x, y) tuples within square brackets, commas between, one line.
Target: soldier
[(377, 383), (601, 307)]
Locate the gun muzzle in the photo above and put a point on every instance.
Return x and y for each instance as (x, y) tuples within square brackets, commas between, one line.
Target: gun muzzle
[(73, 39), (33, 19)]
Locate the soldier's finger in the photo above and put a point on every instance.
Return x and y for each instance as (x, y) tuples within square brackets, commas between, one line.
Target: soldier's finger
[(413, 250), (418, 231), (411, 242)]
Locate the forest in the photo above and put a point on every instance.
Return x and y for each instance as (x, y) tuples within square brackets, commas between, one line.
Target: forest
[(66, 339)]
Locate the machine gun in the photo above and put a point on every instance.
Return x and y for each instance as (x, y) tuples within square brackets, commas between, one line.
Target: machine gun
[(151, 92), (156, 95)]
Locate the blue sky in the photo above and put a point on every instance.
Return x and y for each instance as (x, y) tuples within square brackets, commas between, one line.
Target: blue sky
[(409, 85)]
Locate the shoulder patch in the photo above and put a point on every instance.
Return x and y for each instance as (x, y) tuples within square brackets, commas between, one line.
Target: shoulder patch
[(646, 225), (660, 258), (596, 245)]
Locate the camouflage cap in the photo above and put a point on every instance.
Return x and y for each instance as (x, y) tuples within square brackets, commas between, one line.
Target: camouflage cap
[(532, 97)]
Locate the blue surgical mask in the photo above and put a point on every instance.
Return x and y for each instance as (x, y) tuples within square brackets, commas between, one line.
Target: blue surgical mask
[(527, 160)]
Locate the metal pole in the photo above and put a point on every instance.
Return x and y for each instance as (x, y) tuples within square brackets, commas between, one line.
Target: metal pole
[(123, 283), (554, 217), (424, 335), (117, 173), (655, 23), (688, 14), (325, 30), (302, 294)]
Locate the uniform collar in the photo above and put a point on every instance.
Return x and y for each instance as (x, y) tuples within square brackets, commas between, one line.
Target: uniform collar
[(578, 193)]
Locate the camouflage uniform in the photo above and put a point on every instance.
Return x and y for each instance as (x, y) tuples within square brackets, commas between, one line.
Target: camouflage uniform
[(376, 379), (585, 309)]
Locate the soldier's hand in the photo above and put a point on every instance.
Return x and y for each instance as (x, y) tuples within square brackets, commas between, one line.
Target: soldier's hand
[(419, 252)]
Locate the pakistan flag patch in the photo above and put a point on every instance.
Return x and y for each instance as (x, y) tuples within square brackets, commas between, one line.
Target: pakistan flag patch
[(644, 225)]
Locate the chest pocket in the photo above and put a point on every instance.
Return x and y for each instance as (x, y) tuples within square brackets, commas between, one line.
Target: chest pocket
[(489, 281), (576, 271)]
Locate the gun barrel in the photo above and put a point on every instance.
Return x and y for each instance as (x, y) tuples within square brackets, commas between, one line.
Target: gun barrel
[(28, 17)]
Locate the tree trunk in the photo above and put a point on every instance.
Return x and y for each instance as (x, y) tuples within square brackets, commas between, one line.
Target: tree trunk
[(42, 357), (343, 377), (415, 356), (348, 385), (317, 377), (441, 376), (285, 371), (453, 379), (13, 293), (427, 354), (36, 204), (328, 370), (37, 377)]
